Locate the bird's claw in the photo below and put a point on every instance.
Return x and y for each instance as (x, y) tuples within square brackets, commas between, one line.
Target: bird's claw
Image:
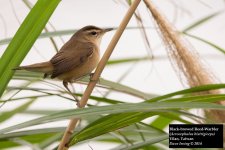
[(78, 104), (92, 80)]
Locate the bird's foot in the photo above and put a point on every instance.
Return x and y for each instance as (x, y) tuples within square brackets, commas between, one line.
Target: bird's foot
[(76, 100), (65, 83), (45, 75), (92, 80), (78, 103)]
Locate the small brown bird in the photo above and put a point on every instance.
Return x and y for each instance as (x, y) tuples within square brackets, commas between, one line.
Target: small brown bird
[(77, 58)]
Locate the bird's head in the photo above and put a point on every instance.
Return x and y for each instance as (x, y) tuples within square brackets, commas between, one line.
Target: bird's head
[(92, 34)]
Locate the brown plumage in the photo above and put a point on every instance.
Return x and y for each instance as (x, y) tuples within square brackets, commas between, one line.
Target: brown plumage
[(77, 57)]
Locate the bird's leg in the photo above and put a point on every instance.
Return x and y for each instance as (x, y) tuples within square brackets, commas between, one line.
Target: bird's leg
[(75, 98)]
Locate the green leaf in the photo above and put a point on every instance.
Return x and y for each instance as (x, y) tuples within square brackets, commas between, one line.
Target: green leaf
[(24, 39), (127, 60), (102, 82), (50, 140), (188, 91), (161, 122), (31, 132), (35, 138), (201, 98), (164, 119), (123, 88), (142, 144), (207, 42), (23, 97), (114, 109), (107, 124), (116, 121), (201, 21), (130, 134), (6, 115), (44, 35), (57, 33)]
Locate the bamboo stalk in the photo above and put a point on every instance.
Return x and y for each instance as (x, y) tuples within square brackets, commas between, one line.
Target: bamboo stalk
[(66, 137)]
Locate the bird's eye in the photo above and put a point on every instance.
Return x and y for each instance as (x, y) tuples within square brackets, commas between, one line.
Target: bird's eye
[(94, 33)]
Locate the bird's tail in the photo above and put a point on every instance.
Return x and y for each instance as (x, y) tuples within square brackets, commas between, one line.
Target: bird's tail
[(44, 67)]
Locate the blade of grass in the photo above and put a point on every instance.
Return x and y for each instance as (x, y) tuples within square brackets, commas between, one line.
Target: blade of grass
[(25, 143), (128, 60), (32, 132), (198, 98), (116, 121), (7, 115), (24, 97), (43, 91), (35, 138), (107, 124), (163, 120), (188, 91), (113, 109), (148, 142), (102, 83), (44, 144), (59, 33), (44, 35), (126, 89), (201, 21), (27, 83), (24, 39), (206, 42), (29, 5)]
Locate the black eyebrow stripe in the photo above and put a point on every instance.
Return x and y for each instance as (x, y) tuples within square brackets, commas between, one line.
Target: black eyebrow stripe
[(87, 28)]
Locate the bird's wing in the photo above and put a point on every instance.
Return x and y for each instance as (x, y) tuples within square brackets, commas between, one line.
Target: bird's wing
[(70, 57)]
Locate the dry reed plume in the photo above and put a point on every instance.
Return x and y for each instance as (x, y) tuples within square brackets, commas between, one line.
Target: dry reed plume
[(185, 59)]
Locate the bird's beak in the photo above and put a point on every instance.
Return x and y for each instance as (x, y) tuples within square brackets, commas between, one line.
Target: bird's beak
[(108, 29)]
